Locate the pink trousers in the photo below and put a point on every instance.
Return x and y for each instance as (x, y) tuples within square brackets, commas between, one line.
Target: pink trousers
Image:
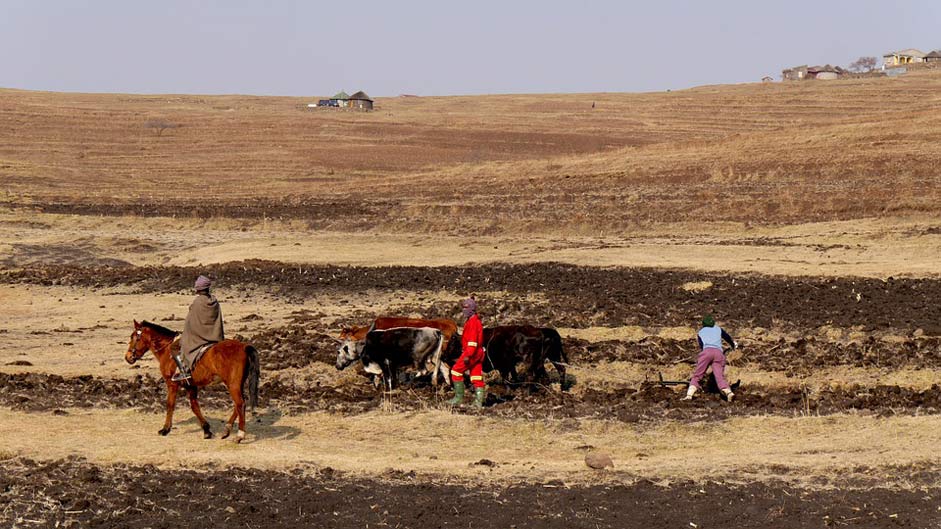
[(715, 358)]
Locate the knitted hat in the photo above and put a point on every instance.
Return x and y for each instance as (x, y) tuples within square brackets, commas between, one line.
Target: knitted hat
[(708, 321), (469, 304), (203, 283)]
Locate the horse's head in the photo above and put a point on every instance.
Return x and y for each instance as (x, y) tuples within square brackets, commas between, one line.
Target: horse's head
[(348, 353), (139, 344)]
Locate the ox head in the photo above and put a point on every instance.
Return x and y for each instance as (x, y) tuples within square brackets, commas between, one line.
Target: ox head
[(348, 353), (138, 345), (452, 350)]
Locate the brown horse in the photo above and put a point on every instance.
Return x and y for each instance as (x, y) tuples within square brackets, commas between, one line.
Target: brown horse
[(232, 361)]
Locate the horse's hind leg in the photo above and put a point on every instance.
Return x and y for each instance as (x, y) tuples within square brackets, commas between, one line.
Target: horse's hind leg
[(236, 393), (194, 404), (228, 424)]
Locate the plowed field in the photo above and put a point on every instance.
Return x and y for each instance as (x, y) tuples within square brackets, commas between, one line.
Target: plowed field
[(803, 215)]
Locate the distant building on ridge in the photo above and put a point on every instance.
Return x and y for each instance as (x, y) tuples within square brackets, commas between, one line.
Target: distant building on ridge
[(934, 56), (357, 101), (360, 101), (796, 73), (897, 58), (342, 100)]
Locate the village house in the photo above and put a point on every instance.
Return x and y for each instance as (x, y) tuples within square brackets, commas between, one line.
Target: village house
[(360, 101), (794, 74), (897, 58), (804, 72), (934, 57), (825, 73), (342, 100)]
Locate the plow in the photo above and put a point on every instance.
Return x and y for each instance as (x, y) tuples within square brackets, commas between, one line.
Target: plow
[(709, 383)]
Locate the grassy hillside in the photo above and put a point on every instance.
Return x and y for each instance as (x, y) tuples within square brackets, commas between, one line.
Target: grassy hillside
[(756, 153)]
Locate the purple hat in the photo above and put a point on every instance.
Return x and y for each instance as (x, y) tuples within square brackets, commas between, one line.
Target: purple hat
[(469, 305), (203, 283)]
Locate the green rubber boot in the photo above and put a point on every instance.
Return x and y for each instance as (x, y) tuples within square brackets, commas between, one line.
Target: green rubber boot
[(458, 394), (480, 395)]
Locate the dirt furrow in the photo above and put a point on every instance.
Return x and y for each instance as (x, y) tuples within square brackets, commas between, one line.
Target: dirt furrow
[(648, 403), (575, 296)]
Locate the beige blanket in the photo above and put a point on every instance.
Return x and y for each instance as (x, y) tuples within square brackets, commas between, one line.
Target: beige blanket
[(203, 326)]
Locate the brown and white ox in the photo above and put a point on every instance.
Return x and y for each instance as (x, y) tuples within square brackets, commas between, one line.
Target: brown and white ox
[(351, 336)]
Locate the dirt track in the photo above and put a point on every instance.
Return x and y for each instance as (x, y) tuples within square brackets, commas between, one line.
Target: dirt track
[(73, 493), (577, 296)]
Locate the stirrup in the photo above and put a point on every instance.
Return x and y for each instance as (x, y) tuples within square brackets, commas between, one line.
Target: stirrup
[(181, 376)]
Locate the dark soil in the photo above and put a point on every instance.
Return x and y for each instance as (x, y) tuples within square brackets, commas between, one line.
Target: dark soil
[(318, 213), (41, 392), (797, 356), (74, 493), (578, 296), (655, 403), (295, 346), (305, 342)]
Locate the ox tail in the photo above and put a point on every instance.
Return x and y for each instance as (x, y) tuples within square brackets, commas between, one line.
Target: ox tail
[(251, 376), (556, 353), (438, 350)]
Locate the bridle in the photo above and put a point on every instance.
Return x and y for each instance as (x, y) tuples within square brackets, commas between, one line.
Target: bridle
[(137, 356)]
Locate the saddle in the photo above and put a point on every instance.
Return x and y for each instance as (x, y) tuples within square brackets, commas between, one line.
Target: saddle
[(192, 358)]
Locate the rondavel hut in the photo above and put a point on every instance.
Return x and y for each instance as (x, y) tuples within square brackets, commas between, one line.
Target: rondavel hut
[(360, 101)]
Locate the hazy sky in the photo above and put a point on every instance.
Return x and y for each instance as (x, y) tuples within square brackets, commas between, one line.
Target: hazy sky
[(439, 47)]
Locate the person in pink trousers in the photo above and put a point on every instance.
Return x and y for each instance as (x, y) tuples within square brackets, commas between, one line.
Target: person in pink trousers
[(710, 339)]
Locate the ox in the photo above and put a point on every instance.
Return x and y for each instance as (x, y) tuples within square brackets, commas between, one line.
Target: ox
[(350, 336), (384, 352), (509, 345), (355, 334)]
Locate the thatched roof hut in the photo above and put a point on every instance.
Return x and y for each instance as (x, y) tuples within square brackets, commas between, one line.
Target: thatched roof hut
[(361, 101)]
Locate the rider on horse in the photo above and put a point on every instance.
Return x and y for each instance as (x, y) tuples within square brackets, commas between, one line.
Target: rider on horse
[(203, 327)]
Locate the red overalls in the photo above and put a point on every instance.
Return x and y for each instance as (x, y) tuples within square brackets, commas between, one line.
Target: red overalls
[(472, 355)]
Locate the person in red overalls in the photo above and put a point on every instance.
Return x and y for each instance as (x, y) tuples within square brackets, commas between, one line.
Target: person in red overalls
[(472, 356)]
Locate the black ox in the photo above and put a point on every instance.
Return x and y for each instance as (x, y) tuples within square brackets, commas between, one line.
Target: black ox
[(509, 345)]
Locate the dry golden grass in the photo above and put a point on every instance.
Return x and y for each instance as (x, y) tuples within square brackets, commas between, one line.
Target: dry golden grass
[(755, 153), (534, 451), (874, 248)]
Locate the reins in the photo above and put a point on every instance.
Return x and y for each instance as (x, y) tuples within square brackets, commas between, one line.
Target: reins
[(156, 352)]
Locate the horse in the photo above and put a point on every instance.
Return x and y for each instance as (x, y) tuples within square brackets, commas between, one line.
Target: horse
[(232, 361)]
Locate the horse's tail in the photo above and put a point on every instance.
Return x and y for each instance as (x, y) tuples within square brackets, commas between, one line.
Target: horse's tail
[(252, 375)]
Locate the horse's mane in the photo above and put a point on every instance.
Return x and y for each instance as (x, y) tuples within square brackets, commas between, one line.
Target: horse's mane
[(159, 328)]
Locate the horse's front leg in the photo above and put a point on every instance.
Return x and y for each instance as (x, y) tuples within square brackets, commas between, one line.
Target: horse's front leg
[(172, 388), (194, 404)]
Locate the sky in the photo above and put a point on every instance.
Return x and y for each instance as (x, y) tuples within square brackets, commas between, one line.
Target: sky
[(441, 47)]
